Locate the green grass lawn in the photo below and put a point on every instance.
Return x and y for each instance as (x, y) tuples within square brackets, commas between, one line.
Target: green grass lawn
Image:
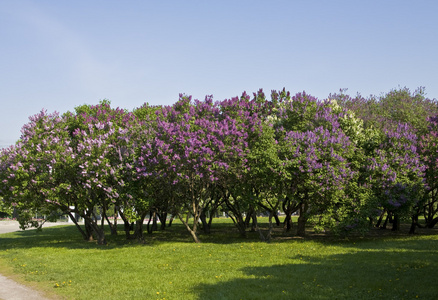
[(224, 266)]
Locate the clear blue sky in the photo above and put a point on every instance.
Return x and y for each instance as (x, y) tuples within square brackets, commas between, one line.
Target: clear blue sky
[(61, 54)]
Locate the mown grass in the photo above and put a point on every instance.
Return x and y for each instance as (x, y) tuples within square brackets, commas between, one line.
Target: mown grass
[(224, 266)]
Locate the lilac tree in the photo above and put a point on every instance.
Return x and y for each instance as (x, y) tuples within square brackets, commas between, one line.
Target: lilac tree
[(37, 172), (385, 114), (70, 164), (428, 148), (240, 183), (259, 187), (155, 199), (316, 159), (396, 174), (104, 149), (186, 156), (7, 156)]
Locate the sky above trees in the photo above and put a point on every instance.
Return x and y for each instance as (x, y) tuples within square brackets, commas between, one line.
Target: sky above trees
[(58, 55)]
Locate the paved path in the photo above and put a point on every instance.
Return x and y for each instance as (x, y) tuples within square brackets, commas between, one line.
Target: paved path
[(9, 289), (11, 226)]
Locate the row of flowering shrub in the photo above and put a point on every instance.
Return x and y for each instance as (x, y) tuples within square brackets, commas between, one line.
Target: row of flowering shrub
[(328, 160)]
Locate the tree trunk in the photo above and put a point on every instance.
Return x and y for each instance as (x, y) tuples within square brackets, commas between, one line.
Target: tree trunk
[(210, 219), (272, 211), (205, 224), (432, 223), (101, 240), (126, 225), (162, 217), (171, 220), (154, 222), (242, 229), (102, 217), (88, 227), (370, 223), (288, 209), (111, 225), (84, 234), (192, 231), (388, 216), (396, 223), (148, 227), (98, 231), (413, 224), (254, 221), (301, 227), (116, 216), (238, 219), (262, 237), (380, 218), (213, 212), (431, 209), (268, 238), (256, 227), (277, 219), (139, 231), (100, 234), (287, 224), (248, 218)]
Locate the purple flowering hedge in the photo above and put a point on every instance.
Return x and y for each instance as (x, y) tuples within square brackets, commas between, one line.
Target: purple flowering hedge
[(344, 164)]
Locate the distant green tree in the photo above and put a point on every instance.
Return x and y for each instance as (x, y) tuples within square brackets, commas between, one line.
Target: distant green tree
[(387, 111)]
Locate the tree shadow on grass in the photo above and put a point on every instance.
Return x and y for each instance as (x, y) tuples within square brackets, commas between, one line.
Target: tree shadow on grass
[(59, 236), (67, 236), (406, 273)]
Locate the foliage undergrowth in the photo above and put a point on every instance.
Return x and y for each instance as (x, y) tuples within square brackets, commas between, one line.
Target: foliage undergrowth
[(224, 266)]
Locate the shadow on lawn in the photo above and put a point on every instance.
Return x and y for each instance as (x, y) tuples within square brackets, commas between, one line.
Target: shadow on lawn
[(67, 236), (59, 236), (405, 274)]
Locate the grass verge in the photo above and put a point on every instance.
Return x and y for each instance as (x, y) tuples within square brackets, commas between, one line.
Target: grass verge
[(224, 266)]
